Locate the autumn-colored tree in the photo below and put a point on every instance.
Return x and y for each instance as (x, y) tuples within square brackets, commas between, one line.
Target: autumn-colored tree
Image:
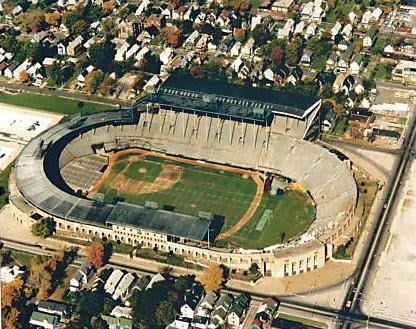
[(53, 19), (212, 278), (277, 56), (95, 253), (33, 21), (11, 292), (11, 318), (24, 76), (239, 35), (93, 81), (108, 6)]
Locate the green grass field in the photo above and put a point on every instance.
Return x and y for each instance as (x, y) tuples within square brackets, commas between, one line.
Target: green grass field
[(50, 103), (218, 192)]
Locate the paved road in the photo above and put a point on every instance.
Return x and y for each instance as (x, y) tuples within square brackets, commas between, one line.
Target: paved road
[(354, 297), (322, 314)]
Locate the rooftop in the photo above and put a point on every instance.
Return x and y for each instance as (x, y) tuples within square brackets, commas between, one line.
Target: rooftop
[(222, 98), (159, 221)]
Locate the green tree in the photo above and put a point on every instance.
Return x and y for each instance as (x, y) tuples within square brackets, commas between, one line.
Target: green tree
[(165, 313), (214, 70), (109, 27), (98, 323), (294, 51), (261, 35), (102, 55), (43, 228)]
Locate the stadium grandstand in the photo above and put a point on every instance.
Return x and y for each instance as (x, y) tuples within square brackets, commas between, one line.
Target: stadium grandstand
[(245, 129)]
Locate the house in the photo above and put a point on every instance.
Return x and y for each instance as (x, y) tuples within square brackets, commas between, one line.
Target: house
[(344, 61), (328, 120), (44, 320), (235, 49), (123, 285), (8, 274), (191, 300), (384, 134), (21, 68), (117, 323), (81, 77), (269, 75), (299, 28), (201, 44), (362, 117), (282, 74), (398, 110), (295, 75), (157, 21), (376, 14), (150, 86), (192, 39), (180, 323), (283, 6), (339, 81), (248, 48), (347, 32), (74, 47), (307, 10), (113, 280), (156, 278), (306, 58), (121, 312), (356, 63), (132, 51), (166, 55), (130, 27), (142, 52), (54, 307), (311, 30), (17, 10), (369, 38), (348, 84), (81, 276), (121, 52), (61, 47), (365, 20), (284, 32), (219, 314), (335, 30), (265, 312), (352, 16), (405, 72), (331, 61), (238, 310)]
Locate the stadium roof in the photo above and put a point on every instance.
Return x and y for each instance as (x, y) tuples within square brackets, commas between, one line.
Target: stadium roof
[(185, 91), (159, 221)]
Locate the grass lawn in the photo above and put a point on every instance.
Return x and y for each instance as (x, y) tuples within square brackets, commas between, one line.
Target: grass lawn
[(50, 103), (199, 189), (341, 10), (307, 322), (293, 213), (21, 258), (4, 186), (218, 192)]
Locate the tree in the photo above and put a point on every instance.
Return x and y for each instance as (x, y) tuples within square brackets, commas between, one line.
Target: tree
[(109, 27), (11, 318), (93, 81), (165, 313), (277, 56), (212, 278), (108, 6), (43, 228), (260, 35), (294, 51), (214, 69), (102, 55), (53, 19), (95, 253), (33, 20), (98, 323), (24, 76), (11, 292)]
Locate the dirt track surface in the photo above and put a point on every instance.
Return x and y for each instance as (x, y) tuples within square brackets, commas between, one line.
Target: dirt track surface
[(171, 178)]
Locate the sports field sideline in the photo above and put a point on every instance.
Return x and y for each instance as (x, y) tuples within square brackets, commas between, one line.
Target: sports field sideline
[(138, 177)]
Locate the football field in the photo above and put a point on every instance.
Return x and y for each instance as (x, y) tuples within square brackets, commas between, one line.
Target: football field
[(193, 188)]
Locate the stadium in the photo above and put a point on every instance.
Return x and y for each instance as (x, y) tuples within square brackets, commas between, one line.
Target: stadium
[(190, 170)]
